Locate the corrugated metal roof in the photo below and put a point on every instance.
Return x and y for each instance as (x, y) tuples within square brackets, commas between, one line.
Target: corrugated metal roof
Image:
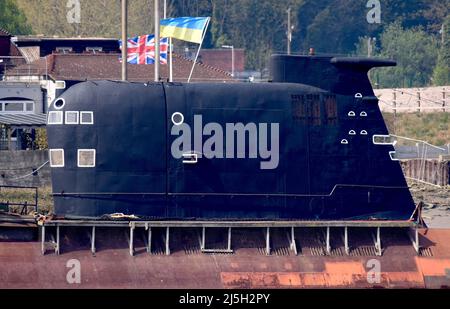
[(28, 120), (31, 54)]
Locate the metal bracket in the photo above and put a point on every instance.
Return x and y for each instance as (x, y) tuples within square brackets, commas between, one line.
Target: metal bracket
[(92, 237), (131, 242), (414, 237), (346, 246), (57, 245), (167, 240), (148, 241), (291, 239), (377, 242), (327, 240), (268, 241), (43, 240), (203, 243)]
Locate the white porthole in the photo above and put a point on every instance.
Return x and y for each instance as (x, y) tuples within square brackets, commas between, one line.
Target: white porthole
[(352, 132), (363, 114), (351, 114), (177, 118), (358, 95), (363, 132), (59, 103), (72, 117), (86, 117), (344, 142), (86, 158), (55, 117), (56, 157)]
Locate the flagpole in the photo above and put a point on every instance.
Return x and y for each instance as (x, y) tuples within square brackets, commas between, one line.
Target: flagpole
[(157, 41), (198, 51), (124, 40), (170, 61)]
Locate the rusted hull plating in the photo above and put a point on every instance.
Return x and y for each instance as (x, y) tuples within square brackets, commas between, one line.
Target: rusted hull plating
[(23, 266)]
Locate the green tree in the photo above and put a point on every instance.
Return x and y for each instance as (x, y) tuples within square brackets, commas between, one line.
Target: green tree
[(12, 18), (98, 18), (415, 52), (441, 74)]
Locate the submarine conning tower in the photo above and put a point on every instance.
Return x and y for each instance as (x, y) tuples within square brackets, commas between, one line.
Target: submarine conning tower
[(341, 75)]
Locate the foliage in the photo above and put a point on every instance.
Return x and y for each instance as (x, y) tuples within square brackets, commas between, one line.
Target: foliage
[(259, 26), (98, 18), (41, 139), (441, 74), (415, 52), (12, 18), (431, 127)]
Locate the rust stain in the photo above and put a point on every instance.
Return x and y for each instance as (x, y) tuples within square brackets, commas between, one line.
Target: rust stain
[(319, 280), (343, 268), (313, 280), (405, 279), (437, 240), (289, 280), (433, 266)]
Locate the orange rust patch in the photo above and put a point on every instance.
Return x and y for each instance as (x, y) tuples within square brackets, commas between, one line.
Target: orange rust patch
[(439, 238), (318, 280), (343, 268), (313, 280), (432, 266), (405, 279)]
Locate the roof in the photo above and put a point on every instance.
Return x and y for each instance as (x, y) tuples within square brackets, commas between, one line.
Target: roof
[(24, 120), (222, 58), (88, 66), (3, 32), (39, 38), (30, 54)]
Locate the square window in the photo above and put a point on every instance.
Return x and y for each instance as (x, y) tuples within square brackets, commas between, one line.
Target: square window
[(86, 157), (14, 107), (72, 117), (30, 107), (55, 117), (57, 157), (87, 118), (382, 140)]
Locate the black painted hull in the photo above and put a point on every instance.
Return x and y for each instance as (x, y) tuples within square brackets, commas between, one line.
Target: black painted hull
[(317, 177)]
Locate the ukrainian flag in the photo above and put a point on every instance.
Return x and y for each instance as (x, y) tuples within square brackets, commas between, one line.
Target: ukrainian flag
[(189, 29)]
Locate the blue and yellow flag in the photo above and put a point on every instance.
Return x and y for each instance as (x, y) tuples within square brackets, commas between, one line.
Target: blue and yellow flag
[(189, 29)]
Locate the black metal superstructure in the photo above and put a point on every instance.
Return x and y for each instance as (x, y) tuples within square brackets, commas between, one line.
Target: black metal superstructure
[(119, 147)]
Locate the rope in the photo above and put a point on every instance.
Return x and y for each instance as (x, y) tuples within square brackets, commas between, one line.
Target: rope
[(422, 98), (30, 174)]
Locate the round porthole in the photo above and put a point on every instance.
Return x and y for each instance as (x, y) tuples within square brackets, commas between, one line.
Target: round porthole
[(59, 103), (177, 118)]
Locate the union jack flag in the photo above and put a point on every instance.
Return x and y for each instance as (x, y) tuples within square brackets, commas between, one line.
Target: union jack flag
[(141, 49)]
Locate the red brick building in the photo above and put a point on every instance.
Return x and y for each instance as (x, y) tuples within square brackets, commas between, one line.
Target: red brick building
[(221, 58)]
